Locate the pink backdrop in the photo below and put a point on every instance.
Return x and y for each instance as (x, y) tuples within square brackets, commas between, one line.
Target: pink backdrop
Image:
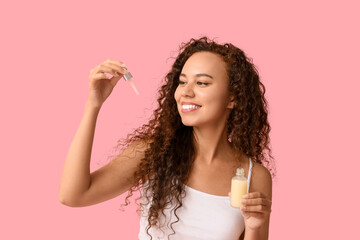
[(308, 57)]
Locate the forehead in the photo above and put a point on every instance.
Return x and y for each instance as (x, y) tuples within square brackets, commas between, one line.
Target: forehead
[(205, 61)]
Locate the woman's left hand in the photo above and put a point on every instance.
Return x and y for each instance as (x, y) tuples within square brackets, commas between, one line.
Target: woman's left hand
[(257, 209)]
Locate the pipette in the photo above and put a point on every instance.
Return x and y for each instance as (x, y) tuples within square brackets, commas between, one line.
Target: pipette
[(128, 77)]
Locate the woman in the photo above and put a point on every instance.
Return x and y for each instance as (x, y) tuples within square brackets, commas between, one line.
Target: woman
[(211, 120)]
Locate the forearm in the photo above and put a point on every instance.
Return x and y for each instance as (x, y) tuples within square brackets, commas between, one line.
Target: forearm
[(75, 178)]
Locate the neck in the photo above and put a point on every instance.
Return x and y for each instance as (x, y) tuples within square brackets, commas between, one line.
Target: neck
[(212, 144)]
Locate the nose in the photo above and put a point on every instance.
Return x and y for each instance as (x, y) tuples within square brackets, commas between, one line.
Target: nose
[(187, 91)]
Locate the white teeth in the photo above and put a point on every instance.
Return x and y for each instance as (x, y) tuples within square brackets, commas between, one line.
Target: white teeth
[(189, 107)]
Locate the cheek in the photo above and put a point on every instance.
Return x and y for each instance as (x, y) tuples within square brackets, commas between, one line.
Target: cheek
[(176, 95), (216, 99)]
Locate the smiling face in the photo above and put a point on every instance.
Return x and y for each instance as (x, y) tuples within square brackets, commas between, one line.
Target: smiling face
[(204, 82)]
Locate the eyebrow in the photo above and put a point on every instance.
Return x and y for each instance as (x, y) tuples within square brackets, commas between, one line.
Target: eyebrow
[(198, 75)]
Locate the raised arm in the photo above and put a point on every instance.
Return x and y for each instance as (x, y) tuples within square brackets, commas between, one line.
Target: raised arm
[(78, 187)]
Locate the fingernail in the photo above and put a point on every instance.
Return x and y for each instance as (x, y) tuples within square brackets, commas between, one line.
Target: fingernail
[(243, 201), (245, 196), (243, 208)]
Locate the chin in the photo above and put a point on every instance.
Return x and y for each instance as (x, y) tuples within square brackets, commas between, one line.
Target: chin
[(190, 123), (186, 123)]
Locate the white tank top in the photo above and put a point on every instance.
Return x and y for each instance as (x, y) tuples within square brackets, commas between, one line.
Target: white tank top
[(202, 216)]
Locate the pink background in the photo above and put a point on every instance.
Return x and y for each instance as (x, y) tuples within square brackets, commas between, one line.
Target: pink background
[(307, 54)]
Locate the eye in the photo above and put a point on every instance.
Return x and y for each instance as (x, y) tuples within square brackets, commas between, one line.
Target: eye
[(202, 83), (199, 83)]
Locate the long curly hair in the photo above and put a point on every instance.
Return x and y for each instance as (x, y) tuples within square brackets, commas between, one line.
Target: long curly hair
[(169, 158)]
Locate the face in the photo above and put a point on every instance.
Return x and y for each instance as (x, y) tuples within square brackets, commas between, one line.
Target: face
[(202, 94)]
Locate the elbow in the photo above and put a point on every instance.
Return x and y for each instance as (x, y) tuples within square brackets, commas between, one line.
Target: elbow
[(67, 201)]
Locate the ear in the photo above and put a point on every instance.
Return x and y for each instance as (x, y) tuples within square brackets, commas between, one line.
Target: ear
[(231, 104)]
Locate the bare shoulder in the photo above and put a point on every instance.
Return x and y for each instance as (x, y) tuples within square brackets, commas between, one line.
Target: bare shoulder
[(261, 180)]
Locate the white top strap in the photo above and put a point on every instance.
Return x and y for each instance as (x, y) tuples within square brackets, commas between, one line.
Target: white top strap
[(249, 174)]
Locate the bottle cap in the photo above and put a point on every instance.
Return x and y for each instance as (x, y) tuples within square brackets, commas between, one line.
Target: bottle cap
[(128, 76), (240, 172)]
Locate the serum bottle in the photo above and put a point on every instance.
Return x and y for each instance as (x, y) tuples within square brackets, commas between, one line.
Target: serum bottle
[(238, 188)]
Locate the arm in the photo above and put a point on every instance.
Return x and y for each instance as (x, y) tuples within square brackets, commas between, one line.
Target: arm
[(116, 177), (75, 179), (78, 187), (260, 190)]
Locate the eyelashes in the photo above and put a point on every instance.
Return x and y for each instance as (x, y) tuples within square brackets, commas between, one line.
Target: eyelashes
[(199, 83)]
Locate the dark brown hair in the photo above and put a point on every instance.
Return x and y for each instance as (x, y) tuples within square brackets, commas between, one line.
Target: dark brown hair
[(169, 158)]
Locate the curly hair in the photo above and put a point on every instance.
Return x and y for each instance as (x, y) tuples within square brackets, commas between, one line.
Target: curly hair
[(168, 160)]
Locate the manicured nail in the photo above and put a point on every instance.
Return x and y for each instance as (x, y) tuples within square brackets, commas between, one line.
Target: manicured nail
[(245, 196), (243, 201)]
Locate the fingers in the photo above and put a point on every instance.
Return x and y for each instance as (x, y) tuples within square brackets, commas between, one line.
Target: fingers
[(256, 208), (98, 76), (110, 66), (256, 202), (107, 67), (255, 195), (117, 68)]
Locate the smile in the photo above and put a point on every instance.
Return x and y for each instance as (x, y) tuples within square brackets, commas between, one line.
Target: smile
[(189, 108)]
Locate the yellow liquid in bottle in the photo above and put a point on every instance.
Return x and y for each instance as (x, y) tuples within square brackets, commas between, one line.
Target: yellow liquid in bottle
[(238, 190)]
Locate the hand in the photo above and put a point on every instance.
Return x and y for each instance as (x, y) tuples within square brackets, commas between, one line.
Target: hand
[(100, 86), (257, 209)]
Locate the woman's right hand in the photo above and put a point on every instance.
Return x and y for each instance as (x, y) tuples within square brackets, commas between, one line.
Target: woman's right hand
[(100, 86)]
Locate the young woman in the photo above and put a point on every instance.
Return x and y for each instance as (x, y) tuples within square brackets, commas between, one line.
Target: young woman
[(212, 118)]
